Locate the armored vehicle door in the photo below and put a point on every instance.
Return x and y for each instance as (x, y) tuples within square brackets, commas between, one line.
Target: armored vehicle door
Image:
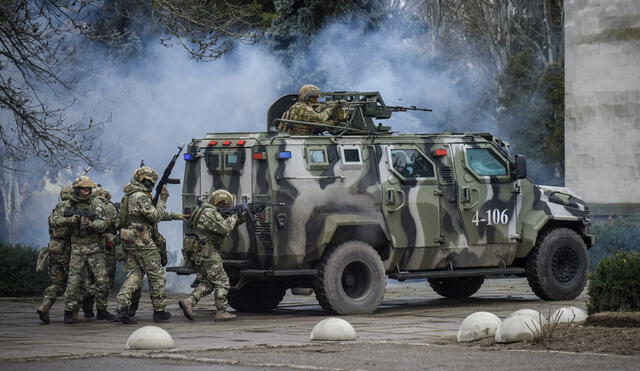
[(487, 193), (411, 201)]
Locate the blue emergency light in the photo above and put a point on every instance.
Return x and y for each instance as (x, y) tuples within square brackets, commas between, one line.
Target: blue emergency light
[(189, 157), (284, 155)]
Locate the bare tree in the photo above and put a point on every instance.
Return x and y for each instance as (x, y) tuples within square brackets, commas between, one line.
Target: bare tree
[(31, 53), (36, 91)]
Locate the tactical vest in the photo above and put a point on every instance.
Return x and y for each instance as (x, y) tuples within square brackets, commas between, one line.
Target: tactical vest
[(214, 237), (127, 219)]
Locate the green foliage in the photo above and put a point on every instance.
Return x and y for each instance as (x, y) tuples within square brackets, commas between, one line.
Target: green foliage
[(615, 285), (615, 235), (532, 114), (18, 271)]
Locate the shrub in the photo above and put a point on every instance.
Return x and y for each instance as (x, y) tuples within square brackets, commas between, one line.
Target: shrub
[(615, 285), (18, 271), (617, 234)]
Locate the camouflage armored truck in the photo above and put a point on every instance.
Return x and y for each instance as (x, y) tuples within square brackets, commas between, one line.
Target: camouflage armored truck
[(358, 204)]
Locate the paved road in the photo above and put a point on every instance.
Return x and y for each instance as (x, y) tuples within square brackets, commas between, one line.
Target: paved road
[(402, 334)]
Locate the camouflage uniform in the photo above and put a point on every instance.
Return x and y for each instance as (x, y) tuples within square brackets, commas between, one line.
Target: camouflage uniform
[(212, 228), (143, 256), (303, 110), (109, 240), (86, 246), (59, 254)]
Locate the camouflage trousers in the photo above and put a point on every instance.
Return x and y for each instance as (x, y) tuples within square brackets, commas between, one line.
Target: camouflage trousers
[(139, 263), (214, 279), (97, 266), (58, 266), (90, 280)]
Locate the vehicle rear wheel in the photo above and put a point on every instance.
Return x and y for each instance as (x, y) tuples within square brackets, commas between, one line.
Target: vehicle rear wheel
[(351, 279), (257, 297), (557, 266), (456, 287)]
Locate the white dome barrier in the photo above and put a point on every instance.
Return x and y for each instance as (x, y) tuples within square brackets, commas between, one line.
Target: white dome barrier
[(518, 328), (478, 325), (149, 338), (333, 329)]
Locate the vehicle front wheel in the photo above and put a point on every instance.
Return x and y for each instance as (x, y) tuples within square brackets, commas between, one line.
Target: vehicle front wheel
[(456, 287), (351, 279), (557, 266)]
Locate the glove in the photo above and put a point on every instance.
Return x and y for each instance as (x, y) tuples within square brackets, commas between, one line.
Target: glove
[(180, 217), (73, 219), (164, 194), (85, 222)]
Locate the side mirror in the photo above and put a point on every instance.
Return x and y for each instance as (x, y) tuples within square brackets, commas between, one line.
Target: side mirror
[(520, 171)]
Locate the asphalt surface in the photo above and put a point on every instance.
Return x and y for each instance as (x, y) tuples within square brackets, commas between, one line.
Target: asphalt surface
[(402, 335)]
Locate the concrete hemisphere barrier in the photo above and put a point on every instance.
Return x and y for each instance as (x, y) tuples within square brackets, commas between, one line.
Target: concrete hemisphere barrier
[(534, 314), (333, 329), (518, 328), (478, 325), (568, 314), (149, 338)]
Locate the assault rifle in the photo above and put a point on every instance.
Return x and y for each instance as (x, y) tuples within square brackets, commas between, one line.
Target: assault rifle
[(82, 213), (251, 208), (165, 179)]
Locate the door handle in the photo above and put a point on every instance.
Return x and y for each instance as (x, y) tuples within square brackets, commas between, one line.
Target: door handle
[(467, 193), (401, 192)]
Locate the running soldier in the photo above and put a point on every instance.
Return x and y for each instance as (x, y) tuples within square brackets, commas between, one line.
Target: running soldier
[(59, 251), (138, 218), (211, 229)]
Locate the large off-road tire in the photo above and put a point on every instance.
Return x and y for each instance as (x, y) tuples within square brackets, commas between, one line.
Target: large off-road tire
[(557, 266), (351, 279), (456, 287), (257, 297)]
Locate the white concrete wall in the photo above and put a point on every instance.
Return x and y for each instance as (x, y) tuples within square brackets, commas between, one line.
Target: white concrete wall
[(602, 103)]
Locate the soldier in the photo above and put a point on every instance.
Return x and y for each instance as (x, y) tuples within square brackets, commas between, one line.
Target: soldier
[(303, 110), (59, 251), (212, 228), (138, 219), (85, 216), (110, 240)]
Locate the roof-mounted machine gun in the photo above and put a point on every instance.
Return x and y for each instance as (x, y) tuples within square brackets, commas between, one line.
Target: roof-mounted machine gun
[(362, 109)]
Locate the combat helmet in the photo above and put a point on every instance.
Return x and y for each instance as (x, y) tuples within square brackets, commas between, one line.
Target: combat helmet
[(66, 192), (219, 196), (308, 91), (83, 181), (103, 193), (145, 173)]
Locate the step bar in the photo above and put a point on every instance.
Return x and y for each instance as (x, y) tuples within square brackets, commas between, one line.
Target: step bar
[(457, 273)]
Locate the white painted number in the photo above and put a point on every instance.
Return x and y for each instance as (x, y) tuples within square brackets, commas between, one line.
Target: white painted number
[(494, 216)]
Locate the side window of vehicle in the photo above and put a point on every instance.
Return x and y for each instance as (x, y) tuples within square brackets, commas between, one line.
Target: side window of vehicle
[(351, 157), (212, 159), (485, 163), (316, 157), (410, 163)]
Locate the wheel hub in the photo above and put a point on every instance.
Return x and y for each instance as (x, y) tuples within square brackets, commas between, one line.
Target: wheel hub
[(565, 264), (356, 279)]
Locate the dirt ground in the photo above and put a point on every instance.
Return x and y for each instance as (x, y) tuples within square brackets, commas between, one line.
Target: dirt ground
[(613, 333)]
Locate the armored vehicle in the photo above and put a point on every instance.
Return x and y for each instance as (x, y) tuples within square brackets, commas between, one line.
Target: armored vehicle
[(357, 204)]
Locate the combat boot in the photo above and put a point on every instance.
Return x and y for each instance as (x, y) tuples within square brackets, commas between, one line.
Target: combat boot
[(187, 308), (103, 314), (43, 312), (87, 305), (123, 317), (68, 317), (224, 316), (161, 315)]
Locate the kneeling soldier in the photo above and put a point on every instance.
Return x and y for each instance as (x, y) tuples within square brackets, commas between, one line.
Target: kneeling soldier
[(211, 228)]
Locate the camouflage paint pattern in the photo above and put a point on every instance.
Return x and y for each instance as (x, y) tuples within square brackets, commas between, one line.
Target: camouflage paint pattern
[(139, 263), (455, 217)]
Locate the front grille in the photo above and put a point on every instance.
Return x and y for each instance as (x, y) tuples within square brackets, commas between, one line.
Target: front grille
[(263, 232)]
